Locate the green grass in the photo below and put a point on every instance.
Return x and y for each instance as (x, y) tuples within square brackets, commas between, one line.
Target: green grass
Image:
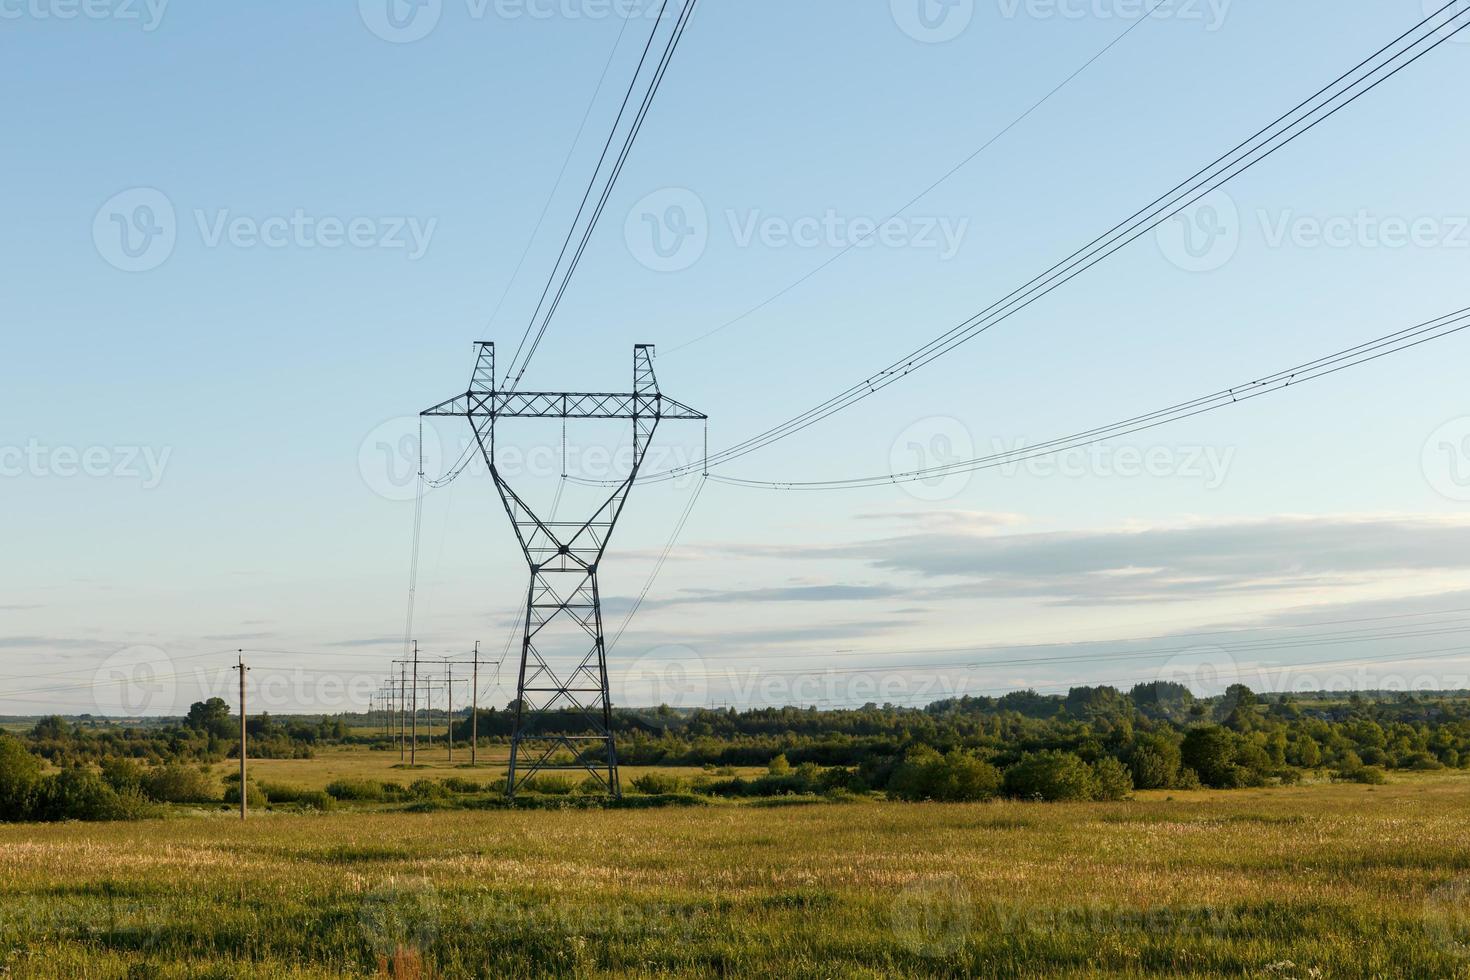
[(1312, 881)]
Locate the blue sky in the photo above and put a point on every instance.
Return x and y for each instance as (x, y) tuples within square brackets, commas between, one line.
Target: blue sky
[(347, 210)]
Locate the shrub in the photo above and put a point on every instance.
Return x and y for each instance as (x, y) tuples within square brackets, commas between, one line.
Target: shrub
[(359, 790), (1051, 775), (1370, 775), (953, 778), (123, 775), (1210, 751), (20, 777), (1154, 762), (311, 799), (657, 784), (427, 789), (458, 784), (175, 783), (779, 766), (78, 794), (254, 796), (1112, 779), (551, 785)]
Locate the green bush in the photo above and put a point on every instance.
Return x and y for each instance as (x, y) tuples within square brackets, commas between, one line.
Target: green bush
[(1370, 775), (551, 785), (364, 790), (657, 784), (311, 799), (20, 779), (458, 784), (177, 783), (1051, 775), (779, 766), (79, 794), (1112, 779), (254, 796), (427, 789), (952, 778), (123, 775)]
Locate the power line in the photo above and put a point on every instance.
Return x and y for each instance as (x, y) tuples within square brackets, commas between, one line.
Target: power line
[(862, 240), (1394, 343), (675, 36), (1427, 35), (659, 564), (561, 174)]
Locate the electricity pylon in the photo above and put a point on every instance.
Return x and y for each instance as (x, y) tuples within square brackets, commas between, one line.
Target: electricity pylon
[(563, 717)]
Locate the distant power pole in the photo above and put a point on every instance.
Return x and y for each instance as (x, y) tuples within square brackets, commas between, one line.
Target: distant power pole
[(413, 750), (244, 805), (449, 709), (402, 708), (475, 707)]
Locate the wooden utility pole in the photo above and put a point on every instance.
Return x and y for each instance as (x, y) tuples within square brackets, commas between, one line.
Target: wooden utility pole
[(413, 750), (449, 709), (244, 795), (475, 707), (402, 708)]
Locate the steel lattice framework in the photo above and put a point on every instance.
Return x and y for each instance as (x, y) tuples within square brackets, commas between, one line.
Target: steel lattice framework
[(564, 557)]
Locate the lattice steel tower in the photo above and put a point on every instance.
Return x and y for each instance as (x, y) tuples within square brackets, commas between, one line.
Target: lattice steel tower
[(563, 704)]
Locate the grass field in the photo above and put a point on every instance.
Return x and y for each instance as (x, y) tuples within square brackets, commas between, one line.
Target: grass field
[(1312, 881)]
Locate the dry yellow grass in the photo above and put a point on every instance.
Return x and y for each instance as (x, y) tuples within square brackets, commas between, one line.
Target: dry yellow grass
[(1314, 881)]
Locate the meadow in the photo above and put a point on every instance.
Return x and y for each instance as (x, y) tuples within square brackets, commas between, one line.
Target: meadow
[(1322, 880)]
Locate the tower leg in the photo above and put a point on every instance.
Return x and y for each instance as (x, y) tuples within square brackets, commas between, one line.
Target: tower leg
[(563, 720)]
